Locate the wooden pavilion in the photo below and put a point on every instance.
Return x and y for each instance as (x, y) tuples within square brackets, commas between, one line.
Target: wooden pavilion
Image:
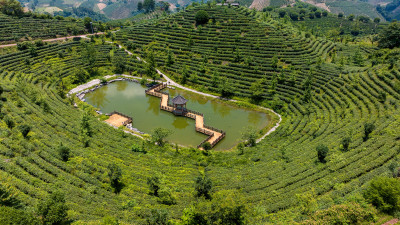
[(179, 104)]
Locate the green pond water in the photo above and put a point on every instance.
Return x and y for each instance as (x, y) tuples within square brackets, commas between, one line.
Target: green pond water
[(129, 98)]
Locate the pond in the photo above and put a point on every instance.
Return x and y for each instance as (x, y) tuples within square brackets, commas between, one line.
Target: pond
[(129, 98)]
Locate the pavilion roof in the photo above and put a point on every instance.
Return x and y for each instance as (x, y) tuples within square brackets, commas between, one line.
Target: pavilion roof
[(179, 100)]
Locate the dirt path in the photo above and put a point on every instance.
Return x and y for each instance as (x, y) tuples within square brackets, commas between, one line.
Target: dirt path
[(55, 39), (391, 222)]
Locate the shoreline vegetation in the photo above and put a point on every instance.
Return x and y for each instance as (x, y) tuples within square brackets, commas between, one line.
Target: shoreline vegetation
[(92, 85)]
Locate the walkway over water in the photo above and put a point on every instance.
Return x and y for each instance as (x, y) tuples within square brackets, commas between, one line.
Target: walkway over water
[(214, 135)]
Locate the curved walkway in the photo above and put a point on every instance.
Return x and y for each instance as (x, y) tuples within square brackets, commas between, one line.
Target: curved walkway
[(214, 135), (170, 82)]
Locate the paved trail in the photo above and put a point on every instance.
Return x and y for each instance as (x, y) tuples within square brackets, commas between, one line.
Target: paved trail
[(170, 82)]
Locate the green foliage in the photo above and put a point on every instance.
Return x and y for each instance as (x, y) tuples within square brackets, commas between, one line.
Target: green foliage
[(154, 183), (345, 142), (158, 135), (24, 129), (368, 128), (9, 122), (53, 210), (64, 152), (149, 5), (348, 213), (203, 186), (384, 194), (115, 174), (206, 146), (201, 17), (151, 65), (8, 196), (166, 197), (307, 202), (9, 215), (389, 36), (322, 152), (226, 88), (11, 7), (120, 64), (157, 217), (257, 90), (250, 136)]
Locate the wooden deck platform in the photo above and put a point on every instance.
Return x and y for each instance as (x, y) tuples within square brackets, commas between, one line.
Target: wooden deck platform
[(117, 119), (214, 135)]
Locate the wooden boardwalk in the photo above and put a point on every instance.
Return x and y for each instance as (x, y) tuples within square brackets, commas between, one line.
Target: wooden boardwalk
[(214, 135)]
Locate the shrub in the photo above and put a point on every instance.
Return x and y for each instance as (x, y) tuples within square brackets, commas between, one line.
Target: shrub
[(165, 197), (24, 129), (63, 152), (349, 213), (368, 128), (154, 185), (322, 152), (206, 145), (384, 193), (345, 143), (9, 215), (157, 217), (9, 122), (53, 210), (115, 173), (203, 186), (201, 17)]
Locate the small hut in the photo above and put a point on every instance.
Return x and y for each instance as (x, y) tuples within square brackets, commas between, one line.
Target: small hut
[(179, 104)]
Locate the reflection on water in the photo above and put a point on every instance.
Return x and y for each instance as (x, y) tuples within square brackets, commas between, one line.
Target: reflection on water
[(121, 86), (98, 98), (129, 98), (180, 122)]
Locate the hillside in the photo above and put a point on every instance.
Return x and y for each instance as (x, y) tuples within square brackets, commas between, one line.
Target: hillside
[(30, 27), (327, 93)]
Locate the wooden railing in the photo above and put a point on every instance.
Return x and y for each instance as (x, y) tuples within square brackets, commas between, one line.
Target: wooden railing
[(156, 91)]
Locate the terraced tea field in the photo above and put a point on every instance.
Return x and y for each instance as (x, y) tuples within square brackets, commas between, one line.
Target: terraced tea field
[(321, 103)]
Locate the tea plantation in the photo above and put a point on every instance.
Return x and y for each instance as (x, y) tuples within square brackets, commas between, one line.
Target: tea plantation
[(339, 104)]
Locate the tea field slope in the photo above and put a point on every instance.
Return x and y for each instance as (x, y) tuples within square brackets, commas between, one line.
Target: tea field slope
[(322, 94)]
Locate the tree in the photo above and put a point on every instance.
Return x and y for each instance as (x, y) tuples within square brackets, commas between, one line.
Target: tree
[(86, 130), (159, 134), (170, 58), (377, 20), (8, 196), (317, 14), (322, 152), (368, 128), (250, 136), (206, 145), (345, 142), (325, 13), (340, 15), (389, 37), (358, 58), (157, 217), (384, 194), (140, 6), (53, 210), (9, 122), (89, 56), (11, 7), (201, 17), (256, 90), (203, 186), (185, 74), (149, 5), (226, 88), (282, 13), (151, 66), (63, 152), (154, 185), (351, 17), (24, 129), (115, 174), (119, 63), (87, 21)]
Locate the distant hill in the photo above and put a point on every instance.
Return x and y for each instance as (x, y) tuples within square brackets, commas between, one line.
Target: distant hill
[(390, 11)]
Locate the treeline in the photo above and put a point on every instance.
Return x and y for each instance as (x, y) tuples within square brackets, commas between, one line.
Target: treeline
[(389, 11)]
